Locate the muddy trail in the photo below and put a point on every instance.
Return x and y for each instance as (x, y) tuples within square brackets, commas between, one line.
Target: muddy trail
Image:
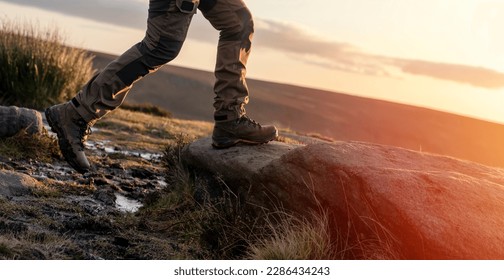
[(66, 215)]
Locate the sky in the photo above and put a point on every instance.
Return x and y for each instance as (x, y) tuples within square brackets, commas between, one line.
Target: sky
[(441, 54)]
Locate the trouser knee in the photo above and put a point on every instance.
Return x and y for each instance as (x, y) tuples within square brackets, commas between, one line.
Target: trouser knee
[(164, 51), (242, 31), (149, 60), (231, 17)]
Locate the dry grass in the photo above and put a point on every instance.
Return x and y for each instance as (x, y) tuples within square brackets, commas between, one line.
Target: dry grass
[(40, 147), (36, 68), (36, 245), (294, 238), (141, 131)]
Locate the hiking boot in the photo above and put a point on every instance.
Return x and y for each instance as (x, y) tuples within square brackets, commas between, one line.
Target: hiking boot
[(241, 130), (72, 132)]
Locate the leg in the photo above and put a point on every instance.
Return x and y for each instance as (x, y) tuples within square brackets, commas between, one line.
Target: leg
[(166, 31), (232, 126), (234, 21)]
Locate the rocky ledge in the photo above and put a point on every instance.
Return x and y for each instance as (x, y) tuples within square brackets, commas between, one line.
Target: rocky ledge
[(409, 204)]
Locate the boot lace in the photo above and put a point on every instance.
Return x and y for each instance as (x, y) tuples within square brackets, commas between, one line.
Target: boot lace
[(84, 130), (248, 121)]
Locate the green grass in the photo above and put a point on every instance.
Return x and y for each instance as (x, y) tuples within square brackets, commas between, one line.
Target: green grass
[(36, 68)]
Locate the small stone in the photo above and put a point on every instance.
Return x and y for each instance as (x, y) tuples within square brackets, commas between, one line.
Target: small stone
[(14, 119)]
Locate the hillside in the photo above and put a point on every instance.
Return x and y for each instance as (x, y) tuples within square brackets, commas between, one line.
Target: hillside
[(188, 94)]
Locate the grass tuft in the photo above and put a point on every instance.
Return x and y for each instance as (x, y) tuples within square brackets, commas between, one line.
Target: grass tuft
[(36, 68), (25, 146), (293, 238)]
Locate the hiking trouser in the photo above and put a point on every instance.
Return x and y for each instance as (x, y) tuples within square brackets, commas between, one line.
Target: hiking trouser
[(167, 26)]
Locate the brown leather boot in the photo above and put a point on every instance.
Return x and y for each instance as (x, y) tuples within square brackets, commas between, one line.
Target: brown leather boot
[(241, 130), (72, 132)]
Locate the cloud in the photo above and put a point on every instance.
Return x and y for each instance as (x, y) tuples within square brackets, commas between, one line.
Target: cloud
[(130, 13), (346, 57), (334, 55), (283, 37), (476, 76)]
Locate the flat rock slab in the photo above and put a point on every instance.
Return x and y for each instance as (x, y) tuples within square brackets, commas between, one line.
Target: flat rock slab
[(235, 163)]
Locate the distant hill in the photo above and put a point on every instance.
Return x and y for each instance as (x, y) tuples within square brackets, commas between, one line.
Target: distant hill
[(187, 93)]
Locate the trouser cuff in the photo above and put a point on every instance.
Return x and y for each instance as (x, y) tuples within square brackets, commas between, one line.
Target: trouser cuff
[(83, 112), (228, 115)]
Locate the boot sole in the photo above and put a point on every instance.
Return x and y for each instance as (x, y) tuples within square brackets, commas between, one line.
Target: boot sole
[(61, 142), (233, 142)]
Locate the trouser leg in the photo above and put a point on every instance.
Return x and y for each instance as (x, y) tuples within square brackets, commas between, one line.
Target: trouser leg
[(166, 31), (234, 21)]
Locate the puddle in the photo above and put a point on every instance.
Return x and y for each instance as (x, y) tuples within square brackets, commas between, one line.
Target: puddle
[(126, 204), (102, 146)]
